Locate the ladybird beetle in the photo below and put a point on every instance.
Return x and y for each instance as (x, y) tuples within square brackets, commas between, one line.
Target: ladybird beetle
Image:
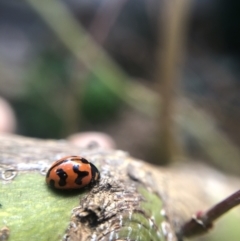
[(72, 172)]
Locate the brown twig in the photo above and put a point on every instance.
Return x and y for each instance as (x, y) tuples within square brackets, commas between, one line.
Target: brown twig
[(202, 222)]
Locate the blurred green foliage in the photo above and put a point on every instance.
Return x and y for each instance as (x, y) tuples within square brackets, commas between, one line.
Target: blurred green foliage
[(99, 103), (53, 98)]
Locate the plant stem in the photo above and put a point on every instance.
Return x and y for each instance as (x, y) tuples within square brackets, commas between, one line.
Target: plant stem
[(201, 222)]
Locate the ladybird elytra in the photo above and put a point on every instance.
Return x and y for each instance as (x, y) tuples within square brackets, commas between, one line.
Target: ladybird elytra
[(72, 172)]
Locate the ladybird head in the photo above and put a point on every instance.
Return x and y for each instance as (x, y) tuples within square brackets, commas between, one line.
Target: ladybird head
[(95, 173)]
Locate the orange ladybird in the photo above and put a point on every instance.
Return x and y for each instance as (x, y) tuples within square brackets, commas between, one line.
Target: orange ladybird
[(72, 172)]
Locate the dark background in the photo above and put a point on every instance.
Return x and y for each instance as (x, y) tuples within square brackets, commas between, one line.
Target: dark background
[(53, 95)]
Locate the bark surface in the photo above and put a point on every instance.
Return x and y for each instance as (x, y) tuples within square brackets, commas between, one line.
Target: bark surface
[(133, 200)]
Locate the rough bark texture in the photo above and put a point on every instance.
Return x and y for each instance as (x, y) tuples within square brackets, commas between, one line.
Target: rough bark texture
[(133, 200)]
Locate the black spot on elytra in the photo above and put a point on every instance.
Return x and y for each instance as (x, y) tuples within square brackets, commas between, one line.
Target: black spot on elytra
[(81, 174), (57, 164), (62, 177), (83, 160)]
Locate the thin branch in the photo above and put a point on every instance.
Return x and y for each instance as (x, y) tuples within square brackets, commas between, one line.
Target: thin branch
[(202, 222)]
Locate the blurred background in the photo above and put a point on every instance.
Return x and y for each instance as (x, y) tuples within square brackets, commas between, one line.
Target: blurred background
[(136, 75)]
